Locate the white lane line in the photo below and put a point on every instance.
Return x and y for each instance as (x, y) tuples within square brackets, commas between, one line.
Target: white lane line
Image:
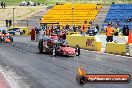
[(9, 78), (107, 54)]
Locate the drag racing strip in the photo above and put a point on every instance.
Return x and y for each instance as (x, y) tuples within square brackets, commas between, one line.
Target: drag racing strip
[(35, 68), (83, 60), (44, 71)]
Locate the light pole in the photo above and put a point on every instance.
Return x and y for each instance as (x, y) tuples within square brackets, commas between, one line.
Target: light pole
[(72, 11), (13, 16)]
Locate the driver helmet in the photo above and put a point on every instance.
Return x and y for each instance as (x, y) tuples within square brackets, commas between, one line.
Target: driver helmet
[(64, 42)]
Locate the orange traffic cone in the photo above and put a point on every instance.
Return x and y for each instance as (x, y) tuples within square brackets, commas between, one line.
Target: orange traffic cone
[(130, 37)]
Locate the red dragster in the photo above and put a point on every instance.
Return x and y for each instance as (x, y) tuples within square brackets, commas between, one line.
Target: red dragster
[(57, 46)]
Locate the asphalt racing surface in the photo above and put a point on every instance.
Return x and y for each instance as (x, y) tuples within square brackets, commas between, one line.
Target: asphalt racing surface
[(24, 67)]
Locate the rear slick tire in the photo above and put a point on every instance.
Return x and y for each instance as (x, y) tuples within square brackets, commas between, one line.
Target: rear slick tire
[(40, 46), (77, 50)]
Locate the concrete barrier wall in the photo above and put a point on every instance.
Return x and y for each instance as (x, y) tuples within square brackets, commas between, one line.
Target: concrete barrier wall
[(116, 48), (118, 39), (85, 42)]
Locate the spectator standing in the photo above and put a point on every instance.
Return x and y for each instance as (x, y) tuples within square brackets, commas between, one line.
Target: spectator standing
[(125, 30), (79, 29), (52, 28), (10, 22), (67, 27), (33, 34), (84, 28), (58, 26), (116, 30), (95, 30), (58, 29), (97, 27), (48, 31), (2, 5), (7, 23), (74, 28), (37, 33), (109, 32), (28, 3)]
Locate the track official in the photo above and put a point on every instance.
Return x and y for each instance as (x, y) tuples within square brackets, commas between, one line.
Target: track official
[(109, 32)]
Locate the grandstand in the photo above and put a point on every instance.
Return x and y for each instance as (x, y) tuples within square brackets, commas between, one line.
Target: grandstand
[(119, 13), (71, 14)]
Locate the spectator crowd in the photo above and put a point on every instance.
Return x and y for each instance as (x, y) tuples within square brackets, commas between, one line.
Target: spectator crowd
[(84, 29)]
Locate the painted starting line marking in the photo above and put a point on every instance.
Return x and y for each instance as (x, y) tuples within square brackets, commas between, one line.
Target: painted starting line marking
[(107, 53)]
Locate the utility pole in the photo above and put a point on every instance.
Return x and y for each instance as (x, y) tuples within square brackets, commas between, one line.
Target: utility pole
[(13, 16)]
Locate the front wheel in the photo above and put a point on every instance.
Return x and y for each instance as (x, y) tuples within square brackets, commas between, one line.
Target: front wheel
[(77, 50), (11, 39), (54, 51)]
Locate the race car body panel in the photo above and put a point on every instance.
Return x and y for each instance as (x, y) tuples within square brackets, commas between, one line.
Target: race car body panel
[(68, 50), (7, 40), (53, 37)]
